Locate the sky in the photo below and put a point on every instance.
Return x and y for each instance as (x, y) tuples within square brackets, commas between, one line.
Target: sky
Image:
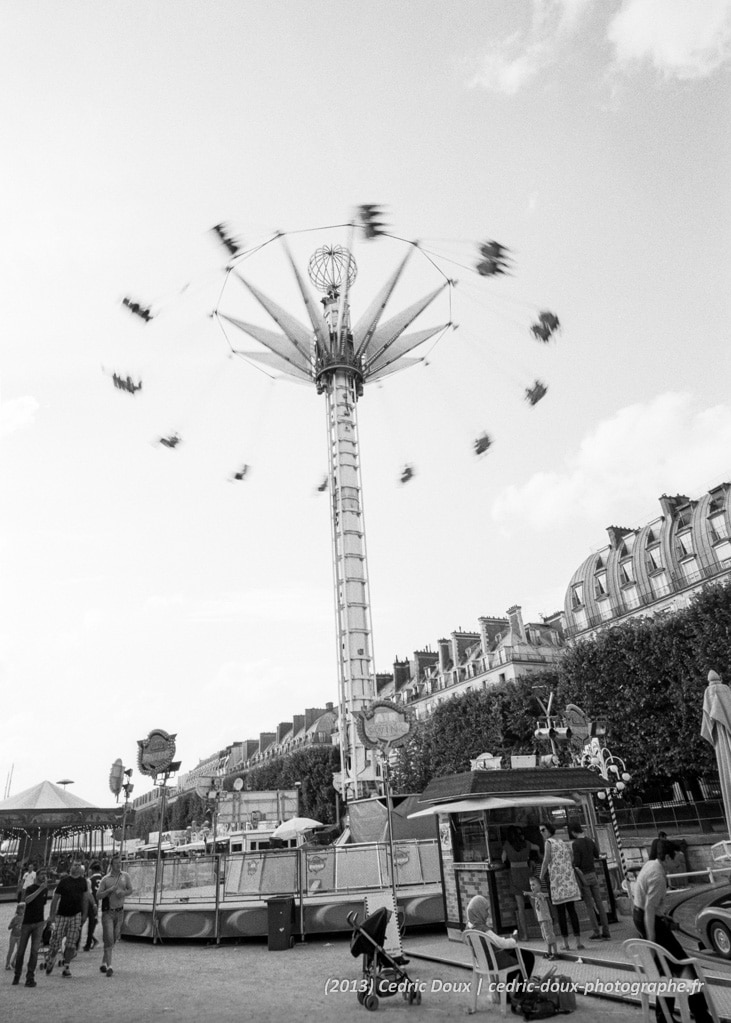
[(141, 587)]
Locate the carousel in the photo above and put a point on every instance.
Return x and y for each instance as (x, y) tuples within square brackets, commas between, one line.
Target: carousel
[(46, 821)]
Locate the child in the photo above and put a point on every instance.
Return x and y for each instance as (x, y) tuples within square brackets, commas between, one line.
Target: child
[(542, 909), (14, 927)]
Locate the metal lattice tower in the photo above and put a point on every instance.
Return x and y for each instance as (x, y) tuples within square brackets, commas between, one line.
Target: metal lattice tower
[(340, 360)]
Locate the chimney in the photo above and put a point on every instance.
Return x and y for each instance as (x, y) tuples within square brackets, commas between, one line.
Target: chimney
[(282, 728), (312, 714), (265, 740), (461, 641), (383, 679), (445, 655), (555, 621), (298, 723), (515, 620), (249, 748), (670, 505), (423, 662), (490, 629), (401, 675), (616, 534)]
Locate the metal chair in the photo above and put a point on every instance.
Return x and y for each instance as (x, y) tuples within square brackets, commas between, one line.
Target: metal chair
[(655, 967), (484, 964)]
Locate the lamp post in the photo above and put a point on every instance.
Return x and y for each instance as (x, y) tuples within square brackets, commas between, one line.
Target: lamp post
[(614, 772), (127, 789)]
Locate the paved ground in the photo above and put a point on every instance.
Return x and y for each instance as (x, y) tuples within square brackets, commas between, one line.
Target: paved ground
[(209, 984)]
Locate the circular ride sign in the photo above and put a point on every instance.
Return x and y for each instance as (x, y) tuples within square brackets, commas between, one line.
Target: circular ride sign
[(156, 753), (384, 725)]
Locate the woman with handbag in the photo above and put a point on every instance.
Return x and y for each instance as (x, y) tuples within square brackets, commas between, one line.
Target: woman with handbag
[(558, 865)]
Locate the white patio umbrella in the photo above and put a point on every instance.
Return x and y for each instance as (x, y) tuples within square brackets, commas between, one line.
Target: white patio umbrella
[(294, 826), (716, 728)]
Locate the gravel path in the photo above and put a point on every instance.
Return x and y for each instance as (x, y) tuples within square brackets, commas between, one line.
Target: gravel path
[(194, 983)]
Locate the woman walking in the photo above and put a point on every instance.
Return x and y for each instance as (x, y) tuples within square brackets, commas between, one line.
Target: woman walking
[(558, 864), (517, 854)]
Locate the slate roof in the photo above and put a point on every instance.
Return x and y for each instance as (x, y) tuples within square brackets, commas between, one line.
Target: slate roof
[(516, 781)]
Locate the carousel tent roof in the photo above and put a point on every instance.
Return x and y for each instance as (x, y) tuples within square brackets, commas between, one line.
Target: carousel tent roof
[(49, 807), (45, 796)]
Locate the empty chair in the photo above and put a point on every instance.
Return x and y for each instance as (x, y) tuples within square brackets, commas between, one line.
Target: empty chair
[(655, 967)]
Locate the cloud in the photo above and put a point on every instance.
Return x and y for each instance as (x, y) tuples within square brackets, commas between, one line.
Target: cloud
[(622, 467), (681, 38), (512, 63), (17, 414)]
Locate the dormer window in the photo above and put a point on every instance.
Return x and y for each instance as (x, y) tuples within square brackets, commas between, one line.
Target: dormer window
[(626, 572), (653, 559), (684, 545), (718, 527), (683, 518), (718, 500), (577, 595), (600, 585)]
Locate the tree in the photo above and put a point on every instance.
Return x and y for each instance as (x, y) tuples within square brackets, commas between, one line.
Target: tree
[(313, 768), (648, 677)]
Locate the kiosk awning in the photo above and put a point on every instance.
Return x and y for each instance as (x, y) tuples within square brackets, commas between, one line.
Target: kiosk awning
[(493, 803)]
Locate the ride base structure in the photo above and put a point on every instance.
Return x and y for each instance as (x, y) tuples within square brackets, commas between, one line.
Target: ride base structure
[(231, 896)]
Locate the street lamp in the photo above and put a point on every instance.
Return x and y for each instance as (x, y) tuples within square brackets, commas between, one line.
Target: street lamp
[(613, 770)]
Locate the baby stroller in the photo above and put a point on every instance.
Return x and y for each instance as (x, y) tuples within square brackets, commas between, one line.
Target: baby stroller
[(382, 974)]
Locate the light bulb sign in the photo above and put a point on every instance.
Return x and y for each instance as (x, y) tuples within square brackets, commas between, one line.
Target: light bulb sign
[(116, 777), (156, 753), (384, 725)]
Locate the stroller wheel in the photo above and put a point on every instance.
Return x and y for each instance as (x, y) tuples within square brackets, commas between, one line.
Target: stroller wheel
[(371, 1002), (361, 996), (415, 998)]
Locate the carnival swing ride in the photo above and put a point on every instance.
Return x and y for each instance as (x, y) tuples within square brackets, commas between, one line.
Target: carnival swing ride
[(340, 357)]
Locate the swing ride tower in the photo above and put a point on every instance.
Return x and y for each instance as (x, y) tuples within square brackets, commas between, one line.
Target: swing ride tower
[(340, 359)]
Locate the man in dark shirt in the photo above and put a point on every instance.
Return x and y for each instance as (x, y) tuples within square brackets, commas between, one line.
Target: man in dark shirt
[(34, 896), (68, 909), (585, 853)]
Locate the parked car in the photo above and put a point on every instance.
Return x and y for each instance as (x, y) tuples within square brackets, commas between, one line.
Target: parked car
[(713, 922)]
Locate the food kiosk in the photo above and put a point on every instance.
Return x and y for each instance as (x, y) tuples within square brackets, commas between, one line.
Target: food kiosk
[(474, 811)]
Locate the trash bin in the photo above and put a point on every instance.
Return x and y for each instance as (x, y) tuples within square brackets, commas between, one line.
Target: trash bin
[(280, 923)]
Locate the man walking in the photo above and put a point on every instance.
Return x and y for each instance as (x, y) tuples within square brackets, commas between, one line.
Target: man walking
[(34, 896), (113, 889), (68, 910)]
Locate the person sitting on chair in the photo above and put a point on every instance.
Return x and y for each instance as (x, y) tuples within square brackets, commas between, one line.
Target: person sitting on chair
[(478, 919)]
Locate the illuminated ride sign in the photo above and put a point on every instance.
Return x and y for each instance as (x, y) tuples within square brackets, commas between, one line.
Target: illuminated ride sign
[(155, 754), (384, 725)]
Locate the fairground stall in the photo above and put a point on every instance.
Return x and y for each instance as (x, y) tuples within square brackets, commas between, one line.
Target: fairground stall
[(45, 822), (475, 811)]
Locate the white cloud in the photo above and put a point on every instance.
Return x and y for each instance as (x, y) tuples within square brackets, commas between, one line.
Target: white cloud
[(622, 467), (515, 61), (681, 38), (17, 414)]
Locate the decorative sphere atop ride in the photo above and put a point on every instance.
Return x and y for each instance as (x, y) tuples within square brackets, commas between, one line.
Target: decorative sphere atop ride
[(328, 267)]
